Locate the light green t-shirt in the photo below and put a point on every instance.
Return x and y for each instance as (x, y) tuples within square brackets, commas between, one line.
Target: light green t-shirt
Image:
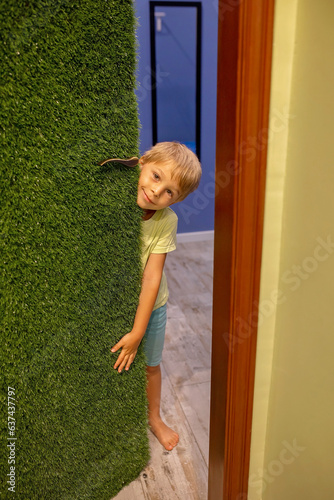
[(159, 236)]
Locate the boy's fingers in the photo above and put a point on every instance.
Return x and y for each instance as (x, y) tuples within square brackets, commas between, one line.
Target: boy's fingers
[(129, 363), (116, 347), (126, 362), (122, 365), (119, 360), (123, 360), (131, 360)]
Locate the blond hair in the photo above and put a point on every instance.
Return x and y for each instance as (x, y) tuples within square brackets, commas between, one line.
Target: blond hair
[(186, 168)]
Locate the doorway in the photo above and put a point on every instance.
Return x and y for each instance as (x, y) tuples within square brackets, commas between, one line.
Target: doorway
[(181, 57), (244, 64)]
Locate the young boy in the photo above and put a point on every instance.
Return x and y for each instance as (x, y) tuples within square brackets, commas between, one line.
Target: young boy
[(169, 172)]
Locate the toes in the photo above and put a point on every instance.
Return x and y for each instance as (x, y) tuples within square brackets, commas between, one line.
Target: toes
[(172, 443)]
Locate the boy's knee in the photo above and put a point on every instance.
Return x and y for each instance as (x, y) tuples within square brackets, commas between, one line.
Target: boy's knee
[(152, 369)]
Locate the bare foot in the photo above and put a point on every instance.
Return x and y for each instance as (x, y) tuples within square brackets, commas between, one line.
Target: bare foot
[(166, 436)]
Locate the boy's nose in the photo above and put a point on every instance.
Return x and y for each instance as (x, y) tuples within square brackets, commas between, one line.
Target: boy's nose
[(156, 191)]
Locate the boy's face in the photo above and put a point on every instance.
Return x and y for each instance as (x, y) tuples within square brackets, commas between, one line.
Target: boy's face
[(156, 188)]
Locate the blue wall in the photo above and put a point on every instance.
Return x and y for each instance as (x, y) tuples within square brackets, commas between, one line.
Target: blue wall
[(196, 212)]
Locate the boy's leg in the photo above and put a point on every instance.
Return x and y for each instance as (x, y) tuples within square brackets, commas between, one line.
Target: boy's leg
[(167, 437)]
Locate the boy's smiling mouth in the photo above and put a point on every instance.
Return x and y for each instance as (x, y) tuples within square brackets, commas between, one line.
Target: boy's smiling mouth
[(146, 197)]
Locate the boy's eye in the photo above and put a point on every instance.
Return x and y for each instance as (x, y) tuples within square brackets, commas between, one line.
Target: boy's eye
[(156, 176), (169, 192)]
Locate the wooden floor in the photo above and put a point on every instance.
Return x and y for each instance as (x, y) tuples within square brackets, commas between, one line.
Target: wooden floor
[(182, 474)]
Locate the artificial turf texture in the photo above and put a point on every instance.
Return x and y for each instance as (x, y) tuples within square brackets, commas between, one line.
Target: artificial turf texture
[(70, 248)]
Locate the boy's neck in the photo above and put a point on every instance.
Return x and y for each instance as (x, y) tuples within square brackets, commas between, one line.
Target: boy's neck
[(148, 214)]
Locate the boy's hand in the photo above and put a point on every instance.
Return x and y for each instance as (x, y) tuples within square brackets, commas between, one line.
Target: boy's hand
[(129, 344)]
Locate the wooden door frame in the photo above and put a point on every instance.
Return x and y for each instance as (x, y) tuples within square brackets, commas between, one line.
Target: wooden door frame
[(244, 68)]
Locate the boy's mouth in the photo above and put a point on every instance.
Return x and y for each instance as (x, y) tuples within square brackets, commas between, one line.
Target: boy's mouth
[(147, 198)]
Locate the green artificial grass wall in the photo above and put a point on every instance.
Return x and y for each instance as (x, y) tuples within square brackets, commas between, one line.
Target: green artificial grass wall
[(70, 253)]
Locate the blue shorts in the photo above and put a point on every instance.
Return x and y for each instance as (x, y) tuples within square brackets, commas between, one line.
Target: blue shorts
[(155, 336)]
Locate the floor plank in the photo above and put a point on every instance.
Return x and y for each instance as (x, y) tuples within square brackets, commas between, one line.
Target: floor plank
[(196, 407), (185, 356)]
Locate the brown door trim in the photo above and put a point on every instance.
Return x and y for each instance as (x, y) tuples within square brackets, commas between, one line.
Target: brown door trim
[(244, 68)]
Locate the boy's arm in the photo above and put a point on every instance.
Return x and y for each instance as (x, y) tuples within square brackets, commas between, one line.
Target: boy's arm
[(149, 291)]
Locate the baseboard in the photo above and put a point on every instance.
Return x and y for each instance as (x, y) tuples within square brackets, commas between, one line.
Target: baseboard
[(196, 236)]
